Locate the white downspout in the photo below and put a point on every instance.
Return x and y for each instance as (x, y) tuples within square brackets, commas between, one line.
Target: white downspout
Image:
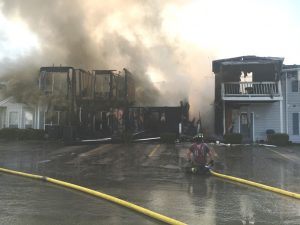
[(280, 106), (286, 104), (44, 120), (38, 118), (224, 117), (253, 128), (281, 116)]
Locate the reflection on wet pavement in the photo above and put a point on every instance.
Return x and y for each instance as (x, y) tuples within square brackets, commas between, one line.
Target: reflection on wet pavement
[(148, 175)]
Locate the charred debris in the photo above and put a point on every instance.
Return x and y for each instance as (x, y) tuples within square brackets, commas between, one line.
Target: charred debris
[(99, 106)]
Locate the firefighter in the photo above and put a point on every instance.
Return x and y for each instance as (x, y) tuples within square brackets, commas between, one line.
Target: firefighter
[(200, 156)]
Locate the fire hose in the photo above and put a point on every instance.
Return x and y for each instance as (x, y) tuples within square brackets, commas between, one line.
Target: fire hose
[(140, 209), (98, 194), (258, 185)]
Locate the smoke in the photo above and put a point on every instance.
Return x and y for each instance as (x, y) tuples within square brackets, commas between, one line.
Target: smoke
[(110, 35)]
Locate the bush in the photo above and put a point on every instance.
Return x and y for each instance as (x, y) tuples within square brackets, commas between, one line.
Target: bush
[(234, 138), (278, 139), (9, 133), (21, 134), (168, 137)]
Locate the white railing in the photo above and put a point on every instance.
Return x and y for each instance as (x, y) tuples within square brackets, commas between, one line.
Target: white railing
[(250, 88)]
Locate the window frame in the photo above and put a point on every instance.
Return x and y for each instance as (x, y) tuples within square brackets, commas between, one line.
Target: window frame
[(294, 75), (294, 126), (292, 86), (10, 125)]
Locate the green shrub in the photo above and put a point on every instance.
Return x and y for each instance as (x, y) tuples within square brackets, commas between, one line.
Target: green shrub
[(21, 134), (278, 139), (9, 133), (168, 137), (234, 138)]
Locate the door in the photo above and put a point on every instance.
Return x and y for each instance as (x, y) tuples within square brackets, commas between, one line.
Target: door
[(246, 126)]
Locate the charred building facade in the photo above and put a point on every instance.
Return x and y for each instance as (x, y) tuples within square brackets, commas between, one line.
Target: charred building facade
[(76, 104), (81, 103), (99, 103)]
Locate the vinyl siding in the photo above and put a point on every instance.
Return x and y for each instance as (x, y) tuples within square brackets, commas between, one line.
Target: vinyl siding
[(293, 106), (266, 116), (293, 138)]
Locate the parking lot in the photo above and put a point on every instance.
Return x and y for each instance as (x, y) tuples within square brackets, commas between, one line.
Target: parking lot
[(149, 175)]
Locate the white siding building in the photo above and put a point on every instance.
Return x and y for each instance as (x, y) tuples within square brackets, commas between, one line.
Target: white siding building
[(255, 95), (16, 115), (291, 103)]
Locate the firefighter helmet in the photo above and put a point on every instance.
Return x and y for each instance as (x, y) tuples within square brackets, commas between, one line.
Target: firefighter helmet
[(198, 137)]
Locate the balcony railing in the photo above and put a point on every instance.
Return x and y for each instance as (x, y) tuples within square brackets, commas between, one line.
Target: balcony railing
[(253, 89)]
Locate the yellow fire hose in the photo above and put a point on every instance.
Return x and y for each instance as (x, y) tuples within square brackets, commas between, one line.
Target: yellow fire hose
[(258, 185), (142, 210), (118, 201)]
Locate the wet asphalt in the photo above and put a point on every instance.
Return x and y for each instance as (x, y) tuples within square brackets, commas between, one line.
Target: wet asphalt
[(149, 175)]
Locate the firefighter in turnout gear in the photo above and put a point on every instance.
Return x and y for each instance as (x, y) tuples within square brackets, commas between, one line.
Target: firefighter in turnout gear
[(200, 156)]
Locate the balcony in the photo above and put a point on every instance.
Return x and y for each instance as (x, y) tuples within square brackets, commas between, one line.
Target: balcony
[(251, 91)]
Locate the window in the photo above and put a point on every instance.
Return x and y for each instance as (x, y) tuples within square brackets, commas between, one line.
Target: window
[(295, 123), (28, 119), (295, 86), (13, 120), (295, 82)]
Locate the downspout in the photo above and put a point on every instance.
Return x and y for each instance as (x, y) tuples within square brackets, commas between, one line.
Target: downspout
[(281, 105), (38, 118), (224, 118), (286, 104), (223, 107)]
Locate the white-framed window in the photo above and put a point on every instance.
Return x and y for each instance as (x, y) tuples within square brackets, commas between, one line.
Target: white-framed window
[(13, 119), (295, 85), (295, 122), (295, 81)]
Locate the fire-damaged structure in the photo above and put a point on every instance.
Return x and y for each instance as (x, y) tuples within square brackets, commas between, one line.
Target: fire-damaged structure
[(248, 96), (158, 120), (80, 103), (75, 104)]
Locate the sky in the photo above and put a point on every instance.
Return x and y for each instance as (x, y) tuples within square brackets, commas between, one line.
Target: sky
[(224, 28), (169, 45)]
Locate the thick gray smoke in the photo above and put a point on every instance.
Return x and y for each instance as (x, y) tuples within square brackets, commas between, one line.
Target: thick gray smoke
[(112, 35)]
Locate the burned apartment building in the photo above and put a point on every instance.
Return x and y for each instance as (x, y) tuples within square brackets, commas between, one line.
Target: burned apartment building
[(99, 103), (76, 104), (248, 96), (256, 95), (81, 103)]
